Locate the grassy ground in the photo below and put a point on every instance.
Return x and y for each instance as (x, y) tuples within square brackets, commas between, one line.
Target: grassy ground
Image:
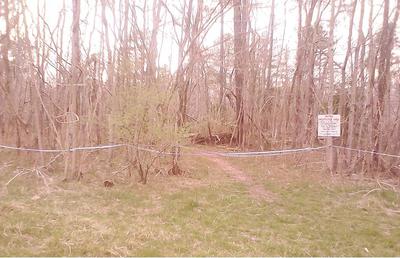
[(204, 213)]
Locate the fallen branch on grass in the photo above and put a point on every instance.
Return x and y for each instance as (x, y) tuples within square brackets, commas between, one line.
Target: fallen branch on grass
[(120, 170), (40, 174), (367, 191), (17, 175), (392, 187), (371, 191)]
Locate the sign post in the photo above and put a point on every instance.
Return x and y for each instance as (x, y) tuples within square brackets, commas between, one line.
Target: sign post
[(328, 125)]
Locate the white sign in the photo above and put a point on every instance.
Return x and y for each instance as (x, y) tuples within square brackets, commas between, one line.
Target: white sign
[(328, 125)]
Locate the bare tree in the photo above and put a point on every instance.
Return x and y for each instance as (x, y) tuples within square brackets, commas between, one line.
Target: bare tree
[(72, 168), (240, 33)]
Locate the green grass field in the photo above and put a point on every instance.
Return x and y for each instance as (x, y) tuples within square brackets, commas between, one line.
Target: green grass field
[(204, 213)]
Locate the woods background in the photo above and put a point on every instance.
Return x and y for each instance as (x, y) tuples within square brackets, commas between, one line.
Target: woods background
[(96, 76)]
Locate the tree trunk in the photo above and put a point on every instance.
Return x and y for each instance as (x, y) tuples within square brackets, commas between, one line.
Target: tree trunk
[(72, 164), (331, 152), (239, 48), (222, 80)]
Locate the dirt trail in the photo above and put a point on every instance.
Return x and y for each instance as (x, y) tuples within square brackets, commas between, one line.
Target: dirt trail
[(256, 190)]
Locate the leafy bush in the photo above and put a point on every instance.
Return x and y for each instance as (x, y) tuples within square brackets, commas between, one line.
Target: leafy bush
[(141, 117)]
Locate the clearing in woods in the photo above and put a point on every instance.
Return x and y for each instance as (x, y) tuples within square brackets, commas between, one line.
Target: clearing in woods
[(220, 207), (255, 189)]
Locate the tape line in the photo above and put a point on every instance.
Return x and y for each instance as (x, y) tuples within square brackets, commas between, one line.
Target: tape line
[(203, 153), (65, 150), (367, 151), (269, 153)]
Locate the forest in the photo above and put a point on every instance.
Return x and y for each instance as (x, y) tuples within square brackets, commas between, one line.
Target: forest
[(94, 77), (114, 92)]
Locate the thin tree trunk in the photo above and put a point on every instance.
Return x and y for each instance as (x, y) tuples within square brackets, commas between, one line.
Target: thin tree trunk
[(222, 79), (239, 45), (331, 153), (72, 166)]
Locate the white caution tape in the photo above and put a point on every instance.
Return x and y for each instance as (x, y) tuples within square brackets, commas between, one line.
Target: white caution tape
[(254, 153), (29, 149), (64, 150), (270, 153), (152, 150), (86, 148), (98, 147), (367, 151), (200, 153)]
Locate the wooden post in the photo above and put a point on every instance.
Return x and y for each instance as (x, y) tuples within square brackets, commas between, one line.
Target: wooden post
[(330, 151)]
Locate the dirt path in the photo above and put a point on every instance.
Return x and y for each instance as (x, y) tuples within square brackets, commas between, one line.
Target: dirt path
[(256, 190)]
